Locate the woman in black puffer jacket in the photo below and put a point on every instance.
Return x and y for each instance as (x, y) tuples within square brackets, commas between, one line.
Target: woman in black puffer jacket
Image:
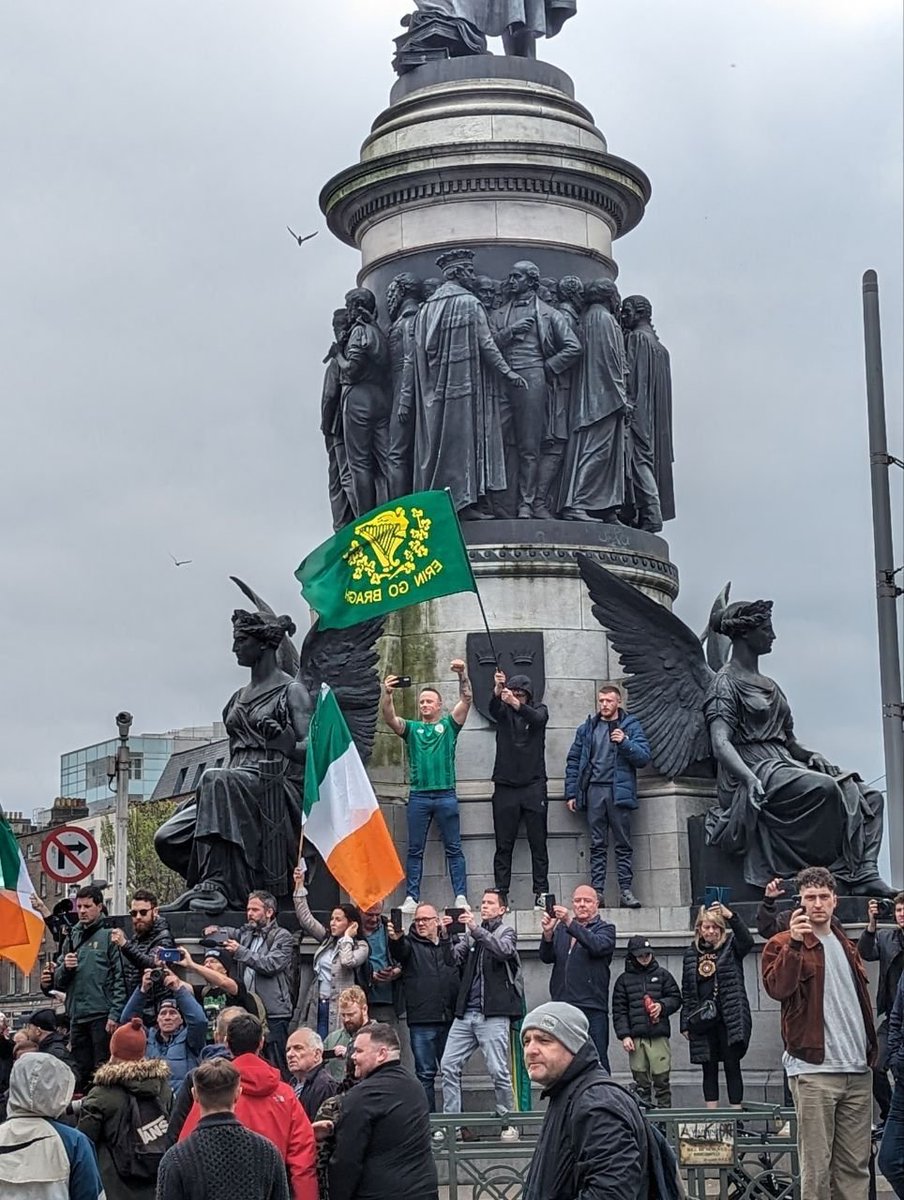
[(714, 971)]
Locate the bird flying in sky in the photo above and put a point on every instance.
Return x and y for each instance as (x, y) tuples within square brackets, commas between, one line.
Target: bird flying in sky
[(300, 239)]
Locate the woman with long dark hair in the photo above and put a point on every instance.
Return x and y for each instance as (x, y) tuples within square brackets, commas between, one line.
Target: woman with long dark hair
[(342, 952)]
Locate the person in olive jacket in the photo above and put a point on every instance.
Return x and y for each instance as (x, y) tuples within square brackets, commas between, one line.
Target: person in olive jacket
[(430, 982), (128, 1074), (714, 971), (90, 972), (643, 1000)]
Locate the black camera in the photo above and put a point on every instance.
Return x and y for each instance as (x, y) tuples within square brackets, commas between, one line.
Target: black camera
[(886, 908), (156, 975)]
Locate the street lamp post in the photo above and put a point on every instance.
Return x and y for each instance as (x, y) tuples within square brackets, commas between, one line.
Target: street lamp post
[(121, 818), (887, 591)]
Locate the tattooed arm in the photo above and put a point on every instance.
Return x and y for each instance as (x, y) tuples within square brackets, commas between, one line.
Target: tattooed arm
[(465, 696)]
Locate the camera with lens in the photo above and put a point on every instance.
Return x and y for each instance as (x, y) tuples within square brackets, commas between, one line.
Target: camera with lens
[(886, 908), (156, 975)]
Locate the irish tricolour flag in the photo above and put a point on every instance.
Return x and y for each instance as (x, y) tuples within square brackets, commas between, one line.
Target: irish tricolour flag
[(341, 815), (21, 929)]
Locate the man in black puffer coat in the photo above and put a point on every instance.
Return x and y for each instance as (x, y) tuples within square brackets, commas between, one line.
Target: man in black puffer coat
[(643, 1000), (593, 1142)]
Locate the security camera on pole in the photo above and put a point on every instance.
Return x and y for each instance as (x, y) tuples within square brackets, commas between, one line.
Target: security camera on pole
[(121, 820)]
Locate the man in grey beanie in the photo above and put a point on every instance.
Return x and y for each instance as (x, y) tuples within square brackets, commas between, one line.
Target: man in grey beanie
[(593, 1141)]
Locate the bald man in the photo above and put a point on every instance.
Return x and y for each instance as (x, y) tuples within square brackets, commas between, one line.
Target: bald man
[(581, 941)]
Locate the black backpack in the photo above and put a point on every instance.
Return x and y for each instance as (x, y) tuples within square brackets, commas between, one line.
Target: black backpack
[(139, 1139), (665, 1182)]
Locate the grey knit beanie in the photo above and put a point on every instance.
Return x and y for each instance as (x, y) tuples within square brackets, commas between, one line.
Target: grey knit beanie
[(564, 1022)]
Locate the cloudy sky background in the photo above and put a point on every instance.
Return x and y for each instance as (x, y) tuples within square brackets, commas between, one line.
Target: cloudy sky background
[(162, 335)]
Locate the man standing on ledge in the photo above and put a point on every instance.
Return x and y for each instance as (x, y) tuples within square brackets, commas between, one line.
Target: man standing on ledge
[(601, 779), (431, 775)]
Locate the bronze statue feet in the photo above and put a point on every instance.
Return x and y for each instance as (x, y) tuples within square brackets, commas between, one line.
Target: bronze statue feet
[(205, 898), (874, 887)]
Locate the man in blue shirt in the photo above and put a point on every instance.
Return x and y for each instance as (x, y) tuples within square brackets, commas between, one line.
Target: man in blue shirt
[(383, 987), (180, 1032)]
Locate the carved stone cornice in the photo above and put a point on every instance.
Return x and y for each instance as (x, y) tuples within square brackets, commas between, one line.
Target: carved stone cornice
[(643, 570)]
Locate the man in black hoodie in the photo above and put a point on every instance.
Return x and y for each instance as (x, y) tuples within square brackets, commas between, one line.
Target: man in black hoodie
[(41, 1028), (593, 1141), (643, 1000), (519, 774), (150, 932)]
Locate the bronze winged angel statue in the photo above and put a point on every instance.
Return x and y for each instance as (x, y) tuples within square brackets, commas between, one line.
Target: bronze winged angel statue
[(241, 829), (780, 806)]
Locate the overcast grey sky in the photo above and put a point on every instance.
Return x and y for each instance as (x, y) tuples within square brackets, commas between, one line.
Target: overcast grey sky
[(162, 335)]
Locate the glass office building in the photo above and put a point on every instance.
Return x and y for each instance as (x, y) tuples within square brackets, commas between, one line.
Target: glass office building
[(85, 774)]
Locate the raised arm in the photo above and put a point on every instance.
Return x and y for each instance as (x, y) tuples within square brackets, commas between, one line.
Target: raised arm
[(387, 706), (465, 695), (306, 918)]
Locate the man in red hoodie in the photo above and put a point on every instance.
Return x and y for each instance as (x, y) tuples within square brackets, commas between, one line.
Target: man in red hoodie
[(269, 1107)]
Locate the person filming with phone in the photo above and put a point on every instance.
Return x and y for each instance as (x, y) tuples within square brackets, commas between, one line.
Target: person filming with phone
[(579, 944), (179, 1032), (830, 1041)]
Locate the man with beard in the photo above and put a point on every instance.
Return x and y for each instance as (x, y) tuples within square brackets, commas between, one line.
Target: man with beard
[(150, 932), (455, 446)]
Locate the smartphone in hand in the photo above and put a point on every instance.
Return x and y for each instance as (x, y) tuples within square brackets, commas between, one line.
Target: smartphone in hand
[(395, 917), (457, 925), (550, 903)]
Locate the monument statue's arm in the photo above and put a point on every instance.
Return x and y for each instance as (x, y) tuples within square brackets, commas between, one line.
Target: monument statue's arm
[(346, 660), (665, 665)]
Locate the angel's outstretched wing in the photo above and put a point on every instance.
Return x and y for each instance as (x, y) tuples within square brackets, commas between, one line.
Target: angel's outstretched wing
[(346, 659), (718, 646), (665, 665), (286, 654)]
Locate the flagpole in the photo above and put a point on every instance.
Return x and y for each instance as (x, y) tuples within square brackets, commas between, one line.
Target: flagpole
[(464, 546)]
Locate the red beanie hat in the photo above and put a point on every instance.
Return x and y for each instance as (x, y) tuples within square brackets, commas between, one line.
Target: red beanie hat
[(129, 1042)]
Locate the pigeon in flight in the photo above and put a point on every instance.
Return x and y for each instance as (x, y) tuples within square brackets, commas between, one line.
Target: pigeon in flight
[(180, 562), (306, 237)]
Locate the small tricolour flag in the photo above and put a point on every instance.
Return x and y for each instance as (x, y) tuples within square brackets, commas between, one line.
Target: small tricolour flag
[(341, 815), (21, 928)]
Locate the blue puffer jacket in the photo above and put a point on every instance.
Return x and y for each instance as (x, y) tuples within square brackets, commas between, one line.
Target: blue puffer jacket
[(630, 755), (183, 1048)]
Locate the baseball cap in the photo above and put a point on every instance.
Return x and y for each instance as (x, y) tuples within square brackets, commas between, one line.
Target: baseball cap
[(639, 945), (44, 1019)]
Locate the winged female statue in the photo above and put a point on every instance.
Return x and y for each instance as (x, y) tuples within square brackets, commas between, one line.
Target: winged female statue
[(780, 806), (241, 829)]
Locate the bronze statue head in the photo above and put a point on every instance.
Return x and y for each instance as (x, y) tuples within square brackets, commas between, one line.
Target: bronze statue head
[(570, 290), (361, 304), (429, 286), (523, 277), (485, 291), (265, 629), (340, 323), (634, 310), (602, 291), (457, 265), (399, 289), (749, 620), (548, 289)]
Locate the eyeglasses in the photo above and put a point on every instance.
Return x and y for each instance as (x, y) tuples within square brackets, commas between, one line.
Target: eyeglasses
[(139, 912), (424, 920)]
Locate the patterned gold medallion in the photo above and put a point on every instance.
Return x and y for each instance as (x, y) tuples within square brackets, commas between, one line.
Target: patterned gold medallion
[(706, 967)]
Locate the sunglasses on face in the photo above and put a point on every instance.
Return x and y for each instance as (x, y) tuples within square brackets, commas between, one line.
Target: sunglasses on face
[(139, 912)]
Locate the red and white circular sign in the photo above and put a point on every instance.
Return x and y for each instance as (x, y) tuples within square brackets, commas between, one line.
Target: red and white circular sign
[(68, 854)]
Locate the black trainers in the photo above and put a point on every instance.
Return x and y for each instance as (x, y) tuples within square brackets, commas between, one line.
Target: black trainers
[(628, 899)]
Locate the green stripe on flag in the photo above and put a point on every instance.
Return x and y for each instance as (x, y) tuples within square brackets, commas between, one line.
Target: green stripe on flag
[(404, 552), (328, 739), (9, 856)]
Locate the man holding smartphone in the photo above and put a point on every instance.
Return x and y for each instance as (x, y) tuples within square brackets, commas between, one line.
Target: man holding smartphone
[(830, 1041), (431, 745)]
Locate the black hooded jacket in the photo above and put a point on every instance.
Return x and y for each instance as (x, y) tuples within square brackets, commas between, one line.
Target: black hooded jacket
[(520, 738), (593, 1141), (430, 978), (629, 1017)]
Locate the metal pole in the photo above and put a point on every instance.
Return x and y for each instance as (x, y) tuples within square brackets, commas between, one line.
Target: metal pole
[(121, 819), (886, 589)]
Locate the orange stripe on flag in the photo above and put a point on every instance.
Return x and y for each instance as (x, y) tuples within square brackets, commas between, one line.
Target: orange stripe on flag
[(366, 863), (21, 933)]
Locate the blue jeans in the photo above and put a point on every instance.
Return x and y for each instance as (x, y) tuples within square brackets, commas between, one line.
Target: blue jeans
[(490, 1035), (891, 1152), (422, 808), (599, 1033), (427, 1045), (323, 1017)]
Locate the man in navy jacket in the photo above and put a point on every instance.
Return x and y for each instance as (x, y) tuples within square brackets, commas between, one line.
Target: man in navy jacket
[(580, 946), (601, 779)]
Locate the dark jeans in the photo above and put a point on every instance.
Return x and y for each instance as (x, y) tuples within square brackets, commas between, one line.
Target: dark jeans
[(427, 1045), (891, 1152), (422, 808), (90, 1044), (604, 814), (275, 1045), (510, 805), (881, 1086), (730, 1057), (599, 1033), (323, 1017)]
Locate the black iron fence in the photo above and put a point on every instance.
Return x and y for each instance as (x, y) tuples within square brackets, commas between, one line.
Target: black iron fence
[(724, 1154)]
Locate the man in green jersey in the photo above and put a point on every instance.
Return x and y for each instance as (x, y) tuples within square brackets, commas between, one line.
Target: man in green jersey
[(431, 779)]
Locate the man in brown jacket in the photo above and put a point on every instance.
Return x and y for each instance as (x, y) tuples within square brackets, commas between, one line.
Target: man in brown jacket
[(830, 1041)]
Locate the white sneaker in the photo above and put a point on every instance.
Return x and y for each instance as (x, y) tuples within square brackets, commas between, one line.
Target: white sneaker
[(439, 1135), (410, 905), (462, 902), (510, 1134)]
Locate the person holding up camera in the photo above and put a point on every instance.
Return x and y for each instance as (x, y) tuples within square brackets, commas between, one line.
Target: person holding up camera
[(179, 1033), (89, 971), (715, 1013), (885, 946)]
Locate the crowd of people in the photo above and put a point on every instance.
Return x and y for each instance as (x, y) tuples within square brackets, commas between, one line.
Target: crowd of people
[(154, 1073)]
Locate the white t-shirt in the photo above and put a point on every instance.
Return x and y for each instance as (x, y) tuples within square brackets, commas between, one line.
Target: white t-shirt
[(844, 1030)]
